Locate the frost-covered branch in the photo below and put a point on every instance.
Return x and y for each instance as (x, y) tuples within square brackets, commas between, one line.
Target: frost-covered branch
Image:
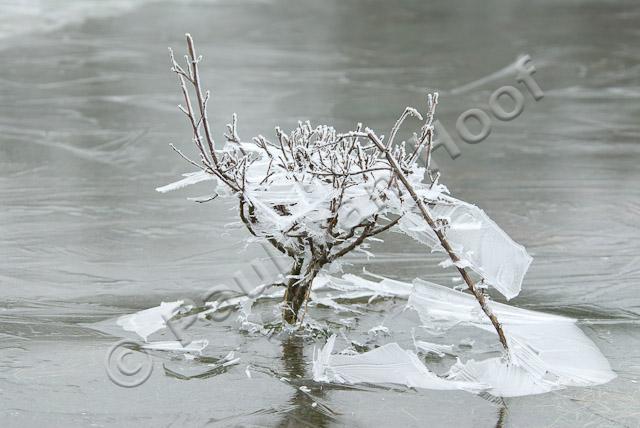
[(316, 194)]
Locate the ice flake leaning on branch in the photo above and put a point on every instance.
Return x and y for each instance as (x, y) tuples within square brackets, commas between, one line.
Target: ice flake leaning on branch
[(548, 347), (548, 352), (316, 194), (479, 242)]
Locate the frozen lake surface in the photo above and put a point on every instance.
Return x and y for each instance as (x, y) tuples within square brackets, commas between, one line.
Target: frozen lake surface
[(88, 110)]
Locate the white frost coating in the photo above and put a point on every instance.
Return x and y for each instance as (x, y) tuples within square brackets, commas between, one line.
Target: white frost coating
[(476, 239), (196, 346), (148, 321), (190, 178), (389, 364), (547, 351)]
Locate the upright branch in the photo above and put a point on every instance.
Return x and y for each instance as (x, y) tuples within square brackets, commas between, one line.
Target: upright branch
[(202, 101), (471, 285)]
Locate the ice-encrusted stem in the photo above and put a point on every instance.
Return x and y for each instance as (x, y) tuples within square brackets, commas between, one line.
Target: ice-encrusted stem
[(297, 293), (289, 314), (471, 285)]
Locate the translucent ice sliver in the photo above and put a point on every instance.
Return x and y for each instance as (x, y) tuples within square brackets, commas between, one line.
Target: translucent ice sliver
[(388, 364), (476, 239)]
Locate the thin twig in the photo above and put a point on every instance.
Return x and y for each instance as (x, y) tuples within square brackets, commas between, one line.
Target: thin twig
[(202, 106), (408, 111)]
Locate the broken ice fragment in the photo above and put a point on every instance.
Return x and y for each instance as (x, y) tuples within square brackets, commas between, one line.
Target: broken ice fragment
[(196, 346), (388, 364), (477, 241), (148, 321), (504, 379), (190, 178), (546, 351), (354, 287), (433, 348), (379, 329)]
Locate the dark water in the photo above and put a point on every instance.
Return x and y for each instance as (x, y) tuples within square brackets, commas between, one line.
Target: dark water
[(88, 110)]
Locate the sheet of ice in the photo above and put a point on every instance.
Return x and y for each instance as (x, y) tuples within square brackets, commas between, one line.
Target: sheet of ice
[(354, 287), (361, 202), (148, 321), (350, 287), (503, 379), (250, 322), (328, 301), (228, 303), (546, 351), (229, 360), (196, 346), (388, 364), (189, 179), (476, 239), (433, 348), (379, 329)]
